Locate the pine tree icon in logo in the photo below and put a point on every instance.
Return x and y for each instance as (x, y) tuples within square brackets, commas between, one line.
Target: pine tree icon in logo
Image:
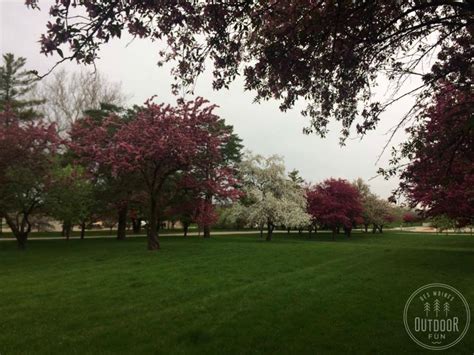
[(427, 308), (436, 307), (446, 308)]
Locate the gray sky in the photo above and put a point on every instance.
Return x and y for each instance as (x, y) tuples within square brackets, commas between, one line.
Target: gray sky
[(263, 128)]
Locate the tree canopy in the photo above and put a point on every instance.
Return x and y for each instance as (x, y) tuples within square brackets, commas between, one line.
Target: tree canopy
[(439, 178), (270, 197), (160, 141), (334, 203), (26, 154), (329, 53)]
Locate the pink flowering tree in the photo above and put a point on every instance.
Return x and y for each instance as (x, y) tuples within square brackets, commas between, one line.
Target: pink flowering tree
[(26, 153), (211, 179), (334, 203), (205, 214), (409, 217), (114, 190), (159, 142), (439, 178)]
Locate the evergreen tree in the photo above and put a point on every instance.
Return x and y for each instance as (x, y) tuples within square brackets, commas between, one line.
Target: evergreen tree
[(15, 84), (294, 176)]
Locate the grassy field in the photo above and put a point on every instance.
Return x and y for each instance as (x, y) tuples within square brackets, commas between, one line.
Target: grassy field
[(228, 294), (105, 233), (88, 233)]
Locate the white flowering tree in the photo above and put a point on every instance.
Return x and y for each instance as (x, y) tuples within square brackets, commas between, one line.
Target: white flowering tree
[(271, 198), (376, 211), (379, 212)]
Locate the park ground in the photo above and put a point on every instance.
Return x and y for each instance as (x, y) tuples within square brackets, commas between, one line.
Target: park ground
[(228, 294)]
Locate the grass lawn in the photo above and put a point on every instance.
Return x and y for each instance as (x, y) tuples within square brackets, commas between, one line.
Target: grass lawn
[(228, 294), (88, 233)]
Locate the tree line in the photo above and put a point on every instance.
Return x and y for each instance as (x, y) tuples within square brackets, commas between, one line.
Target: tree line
[(81, 160), (328, 54)]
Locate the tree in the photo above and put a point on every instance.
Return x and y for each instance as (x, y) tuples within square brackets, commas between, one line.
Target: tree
[(15, 84), (328, 52), (205, 214), (270, 198), (334, 203), (115, 191), (184, 207), (70, 197), (439, 177), (409, 217), (160, 141), (67, 97), (294, 176), (226, 218), (365, 198), (213, 177), (443, 223), (435, 163), (26, 153), (375, 211), (379, 212)]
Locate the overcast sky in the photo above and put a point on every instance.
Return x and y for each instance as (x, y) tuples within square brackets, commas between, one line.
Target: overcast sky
[(263, 128)]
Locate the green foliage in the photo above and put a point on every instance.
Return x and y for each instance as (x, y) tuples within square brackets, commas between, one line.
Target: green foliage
[(232, 149), (443, 223), (103, 112), (24, 189), (227, 220), (295, 176), (15, 84), (376, 211), (70, 197)]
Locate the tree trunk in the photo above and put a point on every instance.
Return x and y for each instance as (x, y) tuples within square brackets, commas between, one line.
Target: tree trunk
[(206, 231), (19, 231), (122, 222), (136, 225), (380, 228), (67, 230), (288, 230), (21, 238), (207, 228), (270, 228), (83, 229), (261, 231), (366, 226), (374, 229), (185, 228), (153, 243), (347, 231)]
